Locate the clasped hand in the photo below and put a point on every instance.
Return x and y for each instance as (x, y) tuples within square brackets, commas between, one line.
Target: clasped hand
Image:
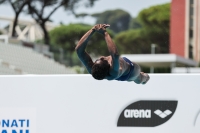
[(100, 28)]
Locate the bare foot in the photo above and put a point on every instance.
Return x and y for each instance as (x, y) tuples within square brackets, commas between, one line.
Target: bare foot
[(146, 76)]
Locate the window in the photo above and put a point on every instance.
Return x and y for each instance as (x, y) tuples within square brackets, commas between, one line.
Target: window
[(190, 51), (191, 31), (191, 2)]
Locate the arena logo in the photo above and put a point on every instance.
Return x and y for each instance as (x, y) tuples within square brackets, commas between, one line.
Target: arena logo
[(147, 113), (134, 113)]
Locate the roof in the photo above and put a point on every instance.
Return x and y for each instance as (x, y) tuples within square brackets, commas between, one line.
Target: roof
[(160, 60)]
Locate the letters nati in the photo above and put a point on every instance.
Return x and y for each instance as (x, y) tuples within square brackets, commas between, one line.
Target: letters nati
[(147, 113), (15, 126)]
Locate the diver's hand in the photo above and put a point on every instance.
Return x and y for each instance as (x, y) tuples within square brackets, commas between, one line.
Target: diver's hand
[(95, 28), (101, 28)]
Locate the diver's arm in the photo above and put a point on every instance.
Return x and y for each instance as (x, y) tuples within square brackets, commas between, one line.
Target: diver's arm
[(111, 45), (81, 46), (113, 52), (101, 28), (111, 48), (80, 49)]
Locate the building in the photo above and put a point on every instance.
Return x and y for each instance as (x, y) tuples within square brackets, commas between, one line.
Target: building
[(184, 40), (26, 30), (185, 29)]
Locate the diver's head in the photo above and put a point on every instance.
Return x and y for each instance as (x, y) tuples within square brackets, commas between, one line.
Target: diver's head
[(100, 69)]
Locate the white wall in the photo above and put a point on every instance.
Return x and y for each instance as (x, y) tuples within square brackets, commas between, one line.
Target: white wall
[(80, 104), (186, 70)]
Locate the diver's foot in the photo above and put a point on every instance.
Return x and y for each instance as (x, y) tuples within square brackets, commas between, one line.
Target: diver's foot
[(147, 78)]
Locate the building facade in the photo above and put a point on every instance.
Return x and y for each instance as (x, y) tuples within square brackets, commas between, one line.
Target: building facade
[(185, 28)]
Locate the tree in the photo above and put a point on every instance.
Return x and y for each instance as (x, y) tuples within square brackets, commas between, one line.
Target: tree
[(134, 24), (37, 10), (81, 16), (68, 36), (118, 19), (17, 6), (132, 42), (154, 23)]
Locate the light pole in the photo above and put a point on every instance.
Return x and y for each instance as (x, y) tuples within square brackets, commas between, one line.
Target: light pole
[(153, 46)]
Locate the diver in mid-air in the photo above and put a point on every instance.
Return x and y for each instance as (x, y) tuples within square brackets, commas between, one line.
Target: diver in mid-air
[(111, 67)]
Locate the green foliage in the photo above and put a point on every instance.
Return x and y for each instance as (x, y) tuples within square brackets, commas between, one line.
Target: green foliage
[(42, 10), (132, 42), (67, 36), (37, 9), (118, 19), (134, 24), (155, 25), (157, 16), (97, 45), (81, 15), (154, 29)]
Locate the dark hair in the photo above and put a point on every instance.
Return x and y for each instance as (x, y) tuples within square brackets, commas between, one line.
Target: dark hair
[(100, 70)]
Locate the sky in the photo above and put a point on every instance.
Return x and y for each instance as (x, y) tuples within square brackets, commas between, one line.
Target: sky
[(131, 6)]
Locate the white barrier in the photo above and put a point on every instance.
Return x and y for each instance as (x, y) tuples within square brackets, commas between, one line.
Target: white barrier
[(80, 104)]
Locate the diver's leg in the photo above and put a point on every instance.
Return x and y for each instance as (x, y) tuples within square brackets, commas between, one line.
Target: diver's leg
[(137, 76), (142, 78)]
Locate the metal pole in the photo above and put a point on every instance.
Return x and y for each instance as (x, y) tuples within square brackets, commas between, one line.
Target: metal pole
[(152, 69), (153, 46), (173, 65)]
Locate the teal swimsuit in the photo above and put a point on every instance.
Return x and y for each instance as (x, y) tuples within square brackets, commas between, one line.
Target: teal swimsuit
[(126, 77)]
